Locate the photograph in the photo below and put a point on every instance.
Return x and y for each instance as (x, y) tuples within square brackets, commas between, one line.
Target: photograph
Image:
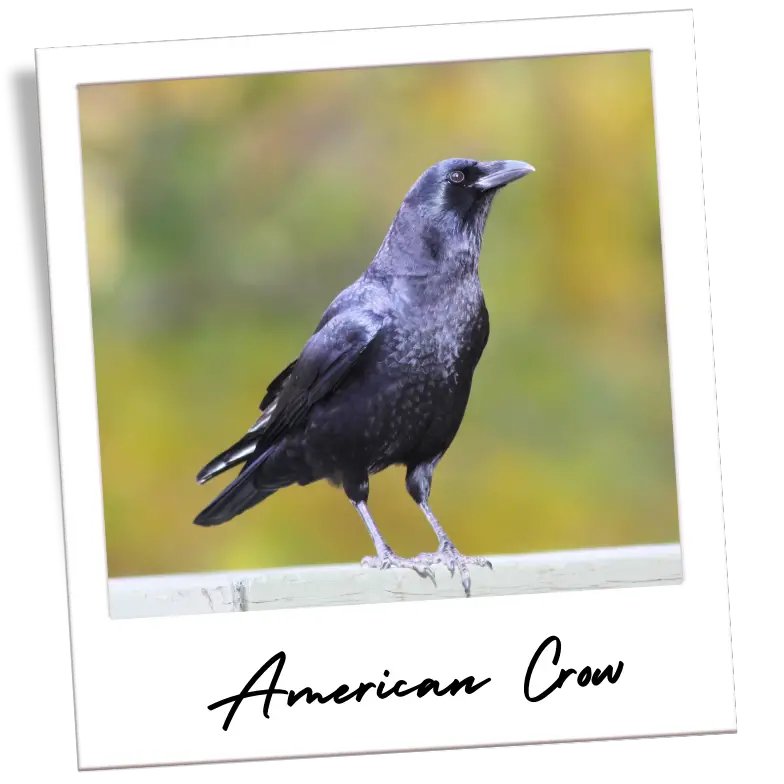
[(409, 319), (385, 390)]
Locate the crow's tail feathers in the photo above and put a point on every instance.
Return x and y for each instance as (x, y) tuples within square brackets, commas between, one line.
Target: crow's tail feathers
[(254, 483), (235, 454)]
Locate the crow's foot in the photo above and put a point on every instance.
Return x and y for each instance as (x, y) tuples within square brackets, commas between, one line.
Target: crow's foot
[(388, 560), (452, 558)]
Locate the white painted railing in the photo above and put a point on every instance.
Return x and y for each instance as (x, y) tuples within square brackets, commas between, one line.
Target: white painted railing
[(190, 594)]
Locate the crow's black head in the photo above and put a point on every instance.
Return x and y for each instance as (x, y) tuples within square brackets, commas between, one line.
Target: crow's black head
[(441, 220), (462, 186)]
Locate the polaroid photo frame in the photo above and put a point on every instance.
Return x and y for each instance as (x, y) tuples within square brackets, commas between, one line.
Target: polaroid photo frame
[(549, 667)]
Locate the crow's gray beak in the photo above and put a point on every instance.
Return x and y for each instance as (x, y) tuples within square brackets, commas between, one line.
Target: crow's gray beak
[(500, 173)]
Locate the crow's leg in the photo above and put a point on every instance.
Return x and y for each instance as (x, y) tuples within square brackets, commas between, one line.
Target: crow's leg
[(386, 557), (418, 481), (448, 554)]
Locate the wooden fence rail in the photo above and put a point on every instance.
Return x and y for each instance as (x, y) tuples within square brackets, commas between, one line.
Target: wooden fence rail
[(308, 586)]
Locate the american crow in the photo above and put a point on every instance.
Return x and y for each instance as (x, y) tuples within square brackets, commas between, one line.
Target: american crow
[(385, 378)]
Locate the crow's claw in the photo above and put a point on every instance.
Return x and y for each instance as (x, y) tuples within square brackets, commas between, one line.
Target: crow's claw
[(390, 560), (448, 555)]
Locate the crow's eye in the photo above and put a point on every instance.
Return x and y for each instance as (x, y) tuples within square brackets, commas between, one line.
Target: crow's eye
[(456, 177)]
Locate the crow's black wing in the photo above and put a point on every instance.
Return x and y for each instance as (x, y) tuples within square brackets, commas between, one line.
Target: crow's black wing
[(274, 388), (344, 307), (326, 361)]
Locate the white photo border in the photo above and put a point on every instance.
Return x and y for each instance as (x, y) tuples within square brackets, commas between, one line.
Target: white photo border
[(142, 687)]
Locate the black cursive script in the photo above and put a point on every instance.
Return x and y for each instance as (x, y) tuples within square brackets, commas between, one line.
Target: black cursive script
[(341, 694), (586, 675)]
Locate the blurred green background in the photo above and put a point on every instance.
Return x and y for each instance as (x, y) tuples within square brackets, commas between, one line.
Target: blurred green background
[(223, 215)]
